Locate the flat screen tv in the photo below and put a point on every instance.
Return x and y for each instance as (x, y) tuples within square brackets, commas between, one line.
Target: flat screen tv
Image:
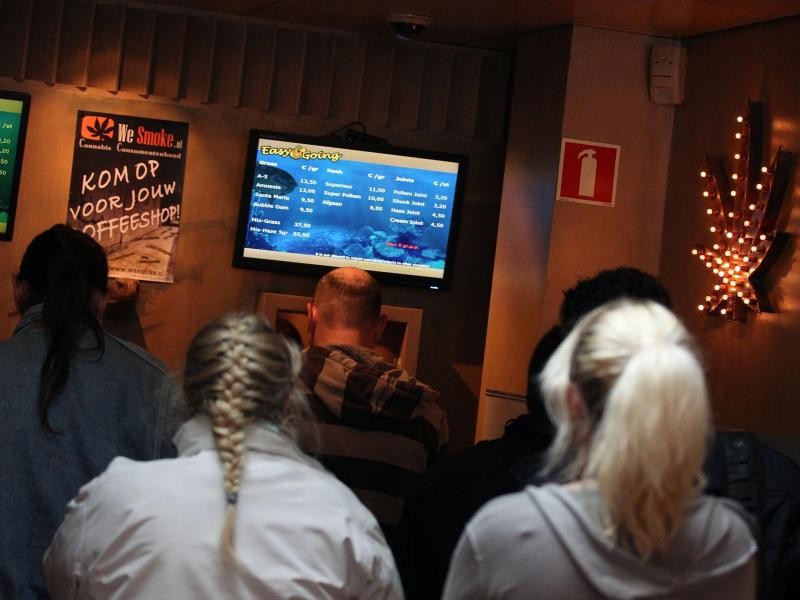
[(14, 108), (313, 204)]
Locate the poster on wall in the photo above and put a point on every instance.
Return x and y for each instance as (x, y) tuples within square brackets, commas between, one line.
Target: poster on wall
[(587, 172), (13, 123), (126, 190)]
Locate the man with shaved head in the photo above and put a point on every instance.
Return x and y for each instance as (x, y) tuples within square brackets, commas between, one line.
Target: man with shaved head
[(379, 428)]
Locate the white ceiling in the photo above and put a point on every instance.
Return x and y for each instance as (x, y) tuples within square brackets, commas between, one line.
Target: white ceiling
[(496, 23)]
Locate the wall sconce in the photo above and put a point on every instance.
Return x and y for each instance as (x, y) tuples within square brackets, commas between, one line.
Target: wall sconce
[(743, 211)]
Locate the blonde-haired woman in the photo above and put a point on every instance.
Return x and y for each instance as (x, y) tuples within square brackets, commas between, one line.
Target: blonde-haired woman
[(628, 397), (241, 513)]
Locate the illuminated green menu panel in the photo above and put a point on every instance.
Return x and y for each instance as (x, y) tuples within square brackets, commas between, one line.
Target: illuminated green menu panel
[(13, 113)]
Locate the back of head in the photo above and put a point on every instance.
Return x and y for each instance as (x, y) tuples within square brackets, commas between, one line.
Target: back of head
[(643, 432), (348, 298), (237, 370), (609, 285), (64, 270)]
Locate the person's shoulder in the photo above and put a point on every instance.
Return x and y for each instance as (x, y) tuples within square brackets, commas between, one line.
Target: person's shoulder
[(135, 353), (725, 518)]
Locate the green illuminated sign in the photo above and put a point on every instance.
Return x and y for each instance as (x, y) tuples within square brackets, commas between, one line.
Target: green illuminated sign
[(13, 120)]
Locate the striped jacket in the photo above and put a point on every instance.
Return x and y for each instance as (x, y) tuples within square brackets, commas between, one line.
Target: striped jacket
[(379, 428)]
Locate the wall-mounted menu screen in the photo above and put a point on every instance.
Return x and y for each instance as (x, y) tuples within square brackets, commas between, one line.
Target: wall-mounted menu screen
[(312, 204), (14, 108)]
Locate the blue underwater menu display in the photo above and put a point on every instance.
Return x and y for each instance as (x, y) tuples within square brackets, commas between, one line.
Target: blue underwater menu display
[(328, 206)]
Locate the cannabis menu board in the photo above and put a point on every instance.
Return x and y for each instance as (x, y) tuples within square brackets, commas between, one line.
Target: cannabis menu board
[(13, 122)]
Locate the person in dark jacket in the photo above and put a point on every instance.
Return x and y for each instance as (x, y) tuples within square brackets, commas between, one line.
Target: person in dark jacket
[(452, 491), (72, 397), (379, 427)]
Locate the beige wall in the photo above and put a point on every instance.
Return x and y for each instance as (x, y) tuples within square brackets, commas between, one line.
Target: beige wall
[(752, 366), (544, 246)]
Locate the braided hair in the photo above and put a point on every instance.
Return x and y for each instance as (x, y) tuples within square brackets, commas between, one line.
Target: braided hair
[(237, 370), (62, 269)]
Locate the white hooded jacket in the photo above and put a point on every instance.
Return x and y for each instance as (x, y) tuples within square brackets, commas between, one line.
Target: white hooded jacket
[(152, 529), (546, 543)]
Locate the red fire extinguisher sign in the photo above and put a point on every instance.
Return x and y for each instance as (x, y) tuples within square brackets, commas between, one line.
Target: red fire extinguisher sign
[(587, 172)]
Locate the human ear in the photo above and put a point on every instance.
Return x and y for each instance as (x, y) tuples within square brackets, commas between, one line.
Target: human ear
[(576, 406)]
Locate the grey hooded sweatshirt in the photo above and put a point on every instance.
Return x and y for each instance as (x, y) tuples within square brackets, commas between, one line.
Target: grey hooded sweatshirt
[(547, 543)]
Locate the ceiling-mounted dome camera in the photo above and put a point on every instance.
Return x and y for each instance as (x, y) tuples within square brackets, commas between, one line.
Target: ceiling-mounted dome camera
[(408, 26)]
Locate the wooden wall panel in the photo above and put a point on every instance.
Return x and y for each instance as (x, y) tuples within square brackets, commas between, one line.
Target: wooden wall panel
[(258, 66), (406, 87), (75, 48), (105, 58), (436, 75), (240, 62), (167, 59), (348, 71), (200, 36), (318, 75), (45, 28), (227, 68), (137, 51), (288, 70), (462, 106), (376, 87), (13, 37), (493, 105)]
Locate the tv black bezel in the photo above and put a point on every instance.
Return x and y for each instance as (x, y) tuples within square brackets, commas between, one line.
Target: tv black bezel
[(242, 262), (25, 98)]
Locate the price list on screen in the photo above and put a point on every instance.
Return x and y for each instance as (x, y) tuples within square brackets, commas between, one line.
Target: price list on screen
[(292, 200), (10, 118)]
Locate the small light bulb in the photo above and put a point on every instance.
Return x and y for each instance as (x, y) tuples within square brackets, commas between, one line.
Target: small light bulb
[(708, 265), (736, 257), (709, 211), (716, 287), (741, 240), (730, 271), (729, 235), (762, 237), (746, 300), (715, 246), (746, 259), (702, 257), (738, 135), (694, 251), (727, 252), (712, 229), (716, 271), (733, 284), (723, 311), (737, 156), (724, 279), (763, 169), (759, 186), (734, 177), (703, 174), (733, 192), (740, 294), (739, 119), (747, 223), (701, 307), (705, 194), (737, 268), (724, 296), (719, 261), (708, 298), (752, 207), (753, 248)]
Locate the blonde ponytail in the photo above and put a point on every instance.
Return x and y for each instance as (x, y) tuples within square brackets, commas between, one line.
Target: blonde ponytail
[(644, 437)]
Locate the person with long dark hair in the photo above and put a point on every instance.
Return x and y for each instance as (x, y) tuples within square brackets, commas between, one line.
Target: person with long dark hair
[(242, 512), (72, 398)]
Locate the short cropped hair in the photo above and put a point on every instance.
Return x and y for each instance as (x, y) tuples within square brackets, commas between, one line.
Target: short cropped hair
[(348, 297)]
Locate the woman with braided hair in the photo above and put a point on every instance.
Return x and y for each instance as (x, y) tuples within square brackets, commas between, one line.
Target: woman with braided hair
[(72, 397), (241, 513)]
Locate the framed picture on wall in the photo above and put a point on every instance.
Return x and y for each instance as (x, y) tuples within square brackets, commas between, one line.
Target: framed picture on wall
[(14, 108)]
